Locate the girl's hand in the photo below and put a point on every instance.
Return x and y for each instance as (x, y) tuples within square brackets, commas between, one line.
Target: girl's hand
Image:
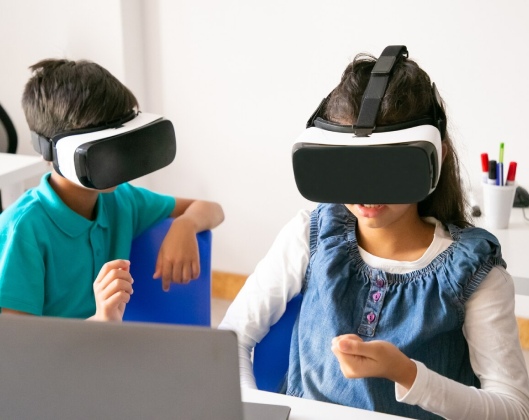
[(374, 359), (178, 259), (112, 290)]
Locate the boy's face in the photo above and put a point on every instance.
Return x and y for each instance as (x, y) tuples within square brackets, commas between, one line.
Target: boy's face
[(108, 190), (74, 186)]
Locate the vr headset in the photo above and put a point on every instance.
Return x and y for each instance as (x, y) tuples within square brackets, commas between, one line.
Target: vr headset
[(366, 164), (105, 156)]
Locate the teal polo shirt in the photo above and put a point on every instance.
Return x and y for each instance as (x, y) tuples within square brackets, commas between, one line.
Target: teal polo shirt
[(50, 255)]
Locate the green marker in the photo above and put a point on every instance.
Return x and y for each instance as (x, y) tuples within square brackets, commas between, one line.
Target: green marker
[(499, 179)]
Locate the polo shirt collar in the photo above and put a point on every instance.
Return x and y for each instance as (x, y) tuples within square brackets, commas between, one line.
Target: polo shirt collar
[(64, 217)]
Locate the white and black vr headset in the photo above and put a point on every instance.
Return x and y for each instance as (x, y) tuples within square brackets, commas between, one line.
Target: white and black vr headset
[(108, 155), (368, 164)]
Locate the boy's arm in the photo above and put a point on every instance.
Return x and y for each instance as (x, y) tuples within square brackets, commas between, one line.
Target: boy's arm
[(22, 270), (13, 312), (205, 214), (178, 259), (112, 290)]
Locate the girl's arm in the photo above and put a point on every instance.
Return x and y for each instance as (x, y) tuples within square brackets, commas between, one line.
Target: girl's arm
[(492, 334), (264, 297)]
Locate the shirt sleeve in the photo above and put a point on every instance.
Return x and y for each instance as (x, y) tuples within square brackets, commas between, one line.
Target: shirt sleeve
[(496, 357), (264, 297), (22, 274), (148, 207)]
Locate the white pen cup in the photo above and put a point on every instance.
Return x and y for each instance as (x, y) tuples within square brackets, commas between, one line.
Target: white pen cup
[(497, 205)]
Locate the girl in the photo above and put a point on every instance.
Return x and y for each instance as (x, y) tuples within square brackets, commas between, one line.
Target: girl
[(407, 309)]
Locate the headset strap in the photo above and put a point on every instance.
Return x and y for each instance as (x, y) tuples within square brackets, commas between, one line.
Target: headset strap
[(45, 146), (42, 145), (376, 88)]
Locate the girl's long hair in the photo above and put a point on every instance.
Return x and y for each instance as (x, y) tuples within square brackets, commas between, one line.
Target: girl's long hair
[(408, 96)]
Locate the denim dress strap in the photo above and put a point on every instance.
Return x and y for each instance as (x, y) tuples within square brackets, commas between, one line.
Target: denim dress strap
[(475, 253), (313, 246)]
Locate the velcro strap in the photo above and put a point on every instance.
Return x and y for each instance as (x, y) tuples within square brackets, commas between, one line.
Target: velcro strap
[(376, 88), (42, 145)]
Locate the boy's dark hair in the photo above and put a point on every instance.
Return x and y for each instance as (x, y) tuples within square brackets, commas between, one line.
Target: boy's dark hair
[(408, 96), (65, 95)]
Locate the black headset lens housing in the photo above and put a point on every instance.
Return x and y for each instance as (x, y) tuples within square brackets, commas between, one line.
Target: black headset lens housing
[(105, 156)]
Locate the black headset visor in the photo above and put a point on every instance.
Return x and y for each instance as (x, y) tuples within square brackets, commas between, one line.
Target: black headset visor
[(105, 163), (105, 156), (388, 174)]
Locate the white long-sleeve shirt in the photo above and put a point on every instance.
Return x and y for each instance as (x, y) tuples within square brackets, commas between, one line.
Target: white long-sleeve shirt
[(490, 328)]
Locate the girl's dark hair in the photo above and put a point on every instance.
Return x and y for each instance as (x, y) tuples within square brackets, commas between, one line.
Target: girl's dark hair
[(65, 95), (408, 96)]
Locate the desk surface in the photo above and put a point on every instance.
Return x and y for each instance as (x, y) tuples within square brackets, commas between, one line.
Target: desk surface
[(303, 409), (16, 168)]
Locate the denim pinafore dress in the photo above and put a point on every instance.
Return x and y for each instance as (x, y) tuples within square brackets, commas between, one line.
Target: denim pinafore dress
[(421, 312)]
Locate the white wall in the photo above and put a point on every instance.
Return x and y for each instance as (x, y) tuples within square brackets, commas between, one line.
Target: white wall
[(240, 78), (32, 30), (108, 32)]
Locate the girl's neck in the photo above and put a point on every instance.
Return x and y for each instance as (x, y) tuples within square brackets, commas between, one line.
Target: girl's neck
[(405, 239), (80, 200)]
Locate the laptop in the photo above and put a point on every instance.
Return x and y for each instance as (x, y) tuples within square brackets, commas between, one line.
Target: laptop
[(53, 368)]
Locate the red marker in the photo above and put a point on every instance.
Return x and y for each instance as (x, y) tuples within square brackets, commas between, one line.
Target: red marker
[(511, 175), (485, 167)]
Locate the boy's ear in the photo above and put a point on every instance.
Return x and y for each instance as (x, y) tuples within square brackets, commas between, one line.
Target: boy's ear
[(47, 161)]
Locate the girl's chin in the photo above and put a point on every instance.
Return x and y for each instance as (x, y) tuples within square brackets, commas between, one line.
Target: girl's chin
[(371, 211)]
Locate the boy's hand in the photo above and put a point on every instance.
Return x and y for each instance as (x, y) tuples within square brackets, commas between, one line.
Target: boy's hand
[(112, 290), (178, 259), (378, 359)]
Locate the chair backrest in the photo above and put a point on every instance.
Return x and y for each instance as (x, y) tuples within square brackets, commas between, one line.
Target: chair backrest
[(8, 138), (270, 358), (8, 134), (188, 304)]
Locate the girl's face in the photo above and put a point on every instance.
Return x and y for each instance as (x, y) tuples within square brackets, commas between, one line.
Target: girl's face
[(384, 215), (378, 216)]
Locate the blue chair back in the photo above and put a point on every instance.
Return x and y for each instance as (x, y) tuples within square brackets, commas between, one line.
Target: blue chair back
[(188, 304), (270, 358)]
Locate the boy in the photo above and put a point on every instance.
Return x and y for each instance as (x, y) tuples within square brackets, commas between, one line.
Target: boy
[(58, 236)]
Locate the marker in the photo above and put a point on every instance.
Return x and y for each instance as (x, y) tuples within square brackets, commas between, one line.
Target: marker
[(492, 172), (511, 174), (500, 165), (485, 167)]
